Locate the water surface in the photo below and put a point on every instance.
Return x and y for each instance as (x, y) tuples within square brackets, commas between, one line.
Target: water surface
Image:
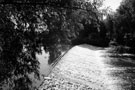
[(87, 67)]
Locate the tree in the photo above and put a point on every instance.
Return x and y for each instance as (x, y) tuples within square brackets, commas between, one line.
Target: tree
[(125, 20), (28, 25)]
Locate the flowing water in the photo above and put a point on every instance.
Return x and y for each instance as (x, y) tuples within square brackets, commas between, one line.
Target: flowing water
[(86, 67)]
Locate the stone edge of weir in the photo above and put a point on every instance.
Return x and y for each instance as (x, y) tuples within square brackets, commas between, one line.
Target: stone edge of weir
[(56, 61)]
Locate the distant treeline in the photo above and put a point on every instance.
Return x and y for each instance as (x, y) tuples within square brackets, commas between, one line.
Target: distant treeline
[(120, 26)]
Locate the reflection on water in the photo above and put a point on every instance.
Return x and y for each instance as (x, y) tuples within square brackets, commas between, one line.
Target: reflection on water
[(43, 59), (45, 68)]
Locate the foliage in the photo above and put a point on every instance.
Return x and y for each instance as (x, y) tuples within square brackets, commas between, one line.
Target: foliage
[(18, 48), (28, 25), (120, 27), (122, 24)]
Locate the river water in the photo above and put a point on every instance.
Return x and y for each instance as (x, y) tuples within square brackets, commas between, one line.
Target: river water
[(45, 68), (87, 67)]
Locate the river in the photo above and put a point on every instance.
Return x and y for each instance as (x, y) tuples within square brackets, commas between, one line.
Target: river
[(87, 67)]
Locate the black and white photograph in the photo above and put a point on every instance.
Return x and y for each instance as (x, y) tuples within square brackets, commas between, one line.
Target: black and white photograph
[(67, 44)]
